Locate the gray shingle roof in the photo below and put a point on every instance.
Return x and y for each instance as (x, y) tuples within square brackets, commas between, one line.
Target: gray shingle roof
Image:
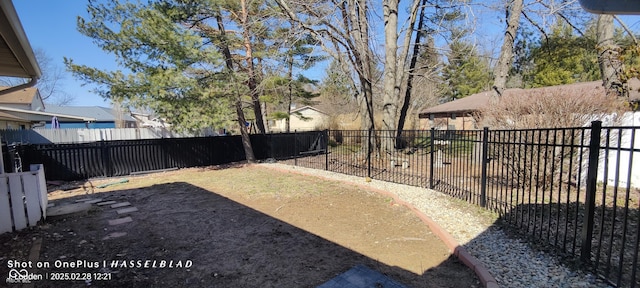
[(102, 114)]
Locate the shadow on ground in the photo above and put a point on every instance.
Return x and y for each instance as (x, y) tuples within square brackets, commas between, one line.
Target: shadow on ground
[(225, 243)]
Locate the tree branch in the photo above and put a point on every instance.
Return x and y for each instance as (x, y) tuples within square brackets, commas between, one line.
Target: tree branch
[(633, 37)]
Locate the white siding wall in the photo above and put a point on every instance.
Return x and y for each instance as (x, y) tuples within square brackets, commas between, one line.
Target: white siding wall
[(313, 120)]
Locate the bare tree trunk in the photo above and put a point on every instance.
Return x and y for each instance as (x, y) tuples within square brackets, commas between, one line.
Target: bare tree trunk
[(501, 71), (409, 82), (608, 56), (364, 59), (394, 71), (265, 112), (363, 55), (392, 65), (246, 140), (251, 82), (290, 96)]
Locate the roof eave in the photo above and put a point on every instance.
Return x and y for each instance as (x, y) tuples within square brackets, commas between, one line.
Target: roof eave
[(38, 115), (17, 45)]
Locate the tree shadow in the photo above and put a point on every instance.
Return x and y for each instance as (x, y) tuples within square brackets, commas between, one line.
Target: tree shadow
[(558, 229), (229, 245)]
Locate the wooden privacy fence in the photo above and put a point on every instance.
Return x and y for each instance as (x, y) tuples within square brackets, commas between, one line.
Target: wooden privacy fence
[(23, 199)]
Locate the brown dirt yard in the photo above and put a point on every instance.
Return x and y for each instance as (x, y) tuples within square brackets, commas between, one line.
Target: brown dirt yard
[(235, 226)]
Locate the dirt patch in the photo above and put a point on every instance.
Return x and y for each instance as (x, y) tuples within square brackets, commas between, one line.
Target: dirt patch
[(246, 226)]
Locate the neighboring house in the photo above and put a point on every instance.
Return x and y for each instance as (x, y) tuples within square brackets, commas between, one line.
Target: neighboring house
[(459, 114), (17, 60), (305, 118), (27, 99), (103, 117), (145, 120), (24, 109)]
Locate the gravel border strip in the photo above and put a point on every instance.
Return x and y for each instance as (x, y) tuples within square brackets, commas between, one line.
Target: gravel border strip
[(497, 260)]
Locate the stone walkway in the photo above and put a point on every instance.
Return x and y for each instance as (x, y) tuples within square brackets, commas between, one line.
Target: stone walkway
[(122, 209)]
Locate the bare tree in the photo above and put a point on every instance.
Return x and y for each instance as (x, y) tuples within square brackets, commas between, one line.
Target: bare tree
[(609, 56), (50, 83), (343, 29), (394, 66), (251, 71), (343, 32), (501, 71)]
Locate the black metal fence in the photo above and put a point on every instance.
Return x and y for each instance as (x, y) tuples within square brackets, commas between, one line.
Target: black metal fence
[(571, 191), (123, 157)]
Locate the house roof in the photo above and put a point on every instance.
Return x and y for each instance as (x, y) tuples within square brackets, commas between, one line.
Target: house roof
[(307, 107), (476, 101), (16, 55), (22, 96), (36, 116), (101, 114), (7, 116)]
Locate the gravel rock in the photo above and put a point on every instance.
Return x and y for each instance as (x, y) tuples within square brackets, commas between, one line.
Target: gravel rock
[(512, 262)]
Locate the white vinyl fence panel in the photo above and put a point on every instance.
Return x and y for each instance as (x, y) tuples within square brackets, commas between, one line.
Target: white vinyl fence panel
[(623, 165), (23, 199)]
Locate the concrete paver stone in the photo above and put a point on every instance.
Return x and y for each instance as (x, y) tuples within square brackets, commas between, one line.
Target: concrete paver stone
[(93, 201), (120, 221), (127, 210), (106, 203), (118, 205), (361, 276), (114, 235)]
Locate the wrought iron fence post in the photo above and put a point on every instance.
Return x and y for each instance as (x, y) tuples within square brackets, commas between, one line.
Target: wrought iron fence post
[(485, 161), (592, 177), (369, 150), (326, 150), (431, 156), (295, 148)]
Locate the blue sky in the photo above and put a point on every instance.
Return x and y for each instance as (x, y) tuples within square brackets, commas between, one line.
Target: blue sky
[(51, 26)]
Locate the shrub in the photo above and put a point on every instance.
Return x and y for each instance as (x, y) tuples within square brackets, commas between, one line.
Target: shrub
[(540, 152)]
